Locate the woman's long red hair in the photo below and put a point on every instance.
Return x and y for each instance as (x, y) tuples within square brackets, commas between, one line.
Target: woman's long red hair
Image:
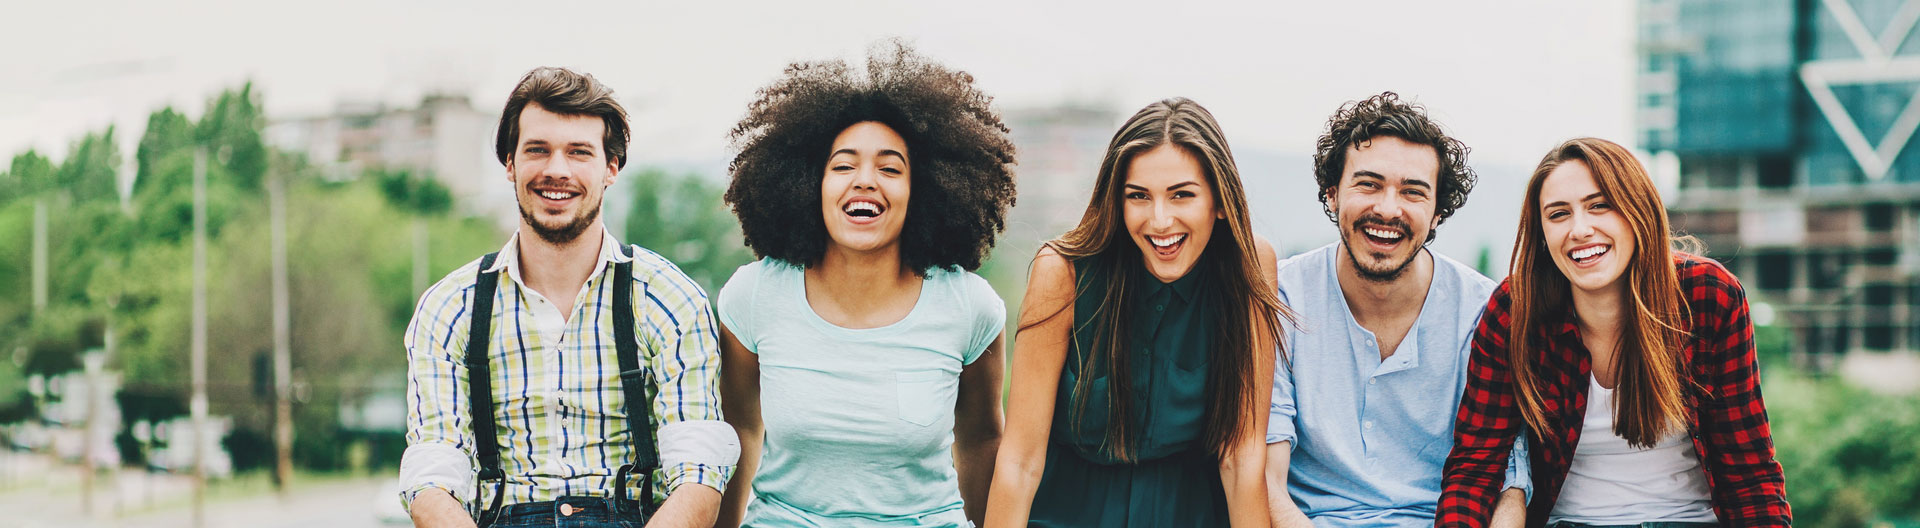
[(1649, 397)]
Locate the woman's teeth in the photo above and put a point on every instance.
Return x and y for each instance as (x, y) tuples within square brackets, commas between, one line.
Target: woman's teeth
[(863, 209), (1166, 241), (1584, 254)]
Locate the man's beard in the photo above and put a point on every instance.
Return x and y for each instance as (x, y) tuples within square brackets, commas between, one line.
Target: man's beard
[(562, 234), (1383, 274)]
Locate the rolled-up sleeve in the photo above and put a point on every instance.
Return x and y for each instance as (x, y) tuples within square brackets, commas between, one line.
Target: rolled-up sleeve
[(1281, 411), (686, 368), (1520, 468), (439, 438)]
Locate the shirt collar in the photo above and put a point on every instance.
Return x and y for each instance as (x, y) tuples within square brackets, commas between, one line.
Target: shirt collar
[(1182, 287), (509, 259)]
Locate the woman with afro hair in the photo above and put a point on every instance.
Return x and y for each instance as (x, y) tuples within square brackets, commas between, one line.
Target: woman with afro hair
[(861, 358)]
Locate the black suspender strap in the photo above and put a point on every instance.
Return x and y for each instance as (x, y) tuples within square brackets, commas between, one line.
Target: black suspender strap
[(480, 388), (633, 382)]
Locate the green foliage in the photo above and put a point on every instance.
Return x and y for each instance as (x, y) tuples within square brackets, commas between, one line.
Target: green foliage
[(168, 134), (129, 268), (1849, 454), (1771, 344), (684, 219), (29, 174), (419, 195), (91, 172)]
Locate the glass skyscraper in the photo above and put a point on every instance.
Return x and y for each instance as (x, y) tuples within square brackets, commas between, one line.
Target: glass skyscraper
[(1792, 122)]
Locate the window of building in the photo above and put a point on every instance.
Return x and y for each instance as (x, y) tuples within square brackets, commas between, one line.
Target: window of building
[(1814, 339), (1880, 294), (1840, 337), (1826, 270), (1878, 217), (1877, 337), (1776, 172), (1775, 270), (1885, 256), (1709, 173)]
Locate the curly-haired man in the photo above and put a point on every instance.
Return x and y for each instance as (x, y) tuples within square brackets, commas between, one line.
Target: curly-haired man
[(1362, 420)]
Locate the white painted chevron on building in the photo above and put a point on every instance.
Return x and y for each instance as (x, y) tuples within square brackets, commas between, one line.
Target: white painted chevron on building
[(1878, 64)]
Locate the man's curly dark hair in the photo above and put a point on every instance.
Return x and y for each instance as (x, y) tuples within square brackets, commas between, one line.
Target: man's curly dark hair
[(961, 170), (1357, 122)]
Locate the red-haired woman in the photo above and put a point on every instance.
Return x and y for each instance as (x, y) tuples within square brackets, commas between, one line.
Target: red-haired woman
[(1630, 364)]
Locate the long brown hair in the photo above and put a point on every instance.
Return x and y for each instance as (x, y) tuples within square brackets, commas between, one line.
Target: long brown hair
[(1240, 292), (1650, 401)]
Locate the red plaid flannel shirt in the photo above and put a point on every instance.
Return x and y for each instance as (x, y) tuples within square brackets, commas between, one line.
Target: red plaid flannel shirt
[(1728, 425)]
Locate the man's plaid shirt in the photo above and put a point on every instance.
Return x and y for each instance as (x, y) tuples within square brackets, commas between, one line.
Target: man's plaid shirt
[(558, 405), (1728, 424)]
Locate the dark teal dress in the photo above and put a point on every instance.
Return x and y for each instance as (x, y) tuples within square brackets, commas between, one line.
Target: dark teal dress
[(1174, 480)]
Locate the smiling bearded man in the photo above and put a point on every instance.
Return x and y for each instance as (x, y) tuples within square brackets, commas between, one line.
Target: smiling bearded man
[(1386, 320), (575, 375)]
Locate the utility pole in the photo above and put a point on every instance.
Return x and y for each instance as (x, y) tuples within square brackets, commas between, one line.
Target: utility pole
[(198, 405), (420, 254), (93, 362), (39, 254), (282, 338)]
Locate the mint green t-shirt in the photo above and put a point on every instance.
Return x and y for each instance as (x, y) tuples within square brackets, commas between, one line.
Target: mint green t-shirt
[(859, 423)]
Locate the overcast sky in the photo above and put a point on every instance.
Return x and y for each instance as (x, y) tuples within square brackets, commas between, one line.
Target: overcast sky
[(1511, 78)]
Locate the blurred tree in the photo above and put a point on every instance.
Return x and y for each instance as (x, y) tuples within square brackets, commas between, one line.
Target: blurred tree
[(348, 264), (683, 218), (1484, 261), (91, 172), (1847, 453), (422, 198)]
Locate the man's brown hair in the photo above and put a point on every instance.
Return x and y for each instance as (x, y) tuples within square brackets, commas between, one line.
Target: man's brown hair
[(565, 92)]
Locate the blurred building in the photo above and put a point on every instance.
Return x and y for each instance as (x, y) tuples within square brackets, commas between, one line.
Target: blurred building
[(445, 137), (1792, 125), (1061, 147)]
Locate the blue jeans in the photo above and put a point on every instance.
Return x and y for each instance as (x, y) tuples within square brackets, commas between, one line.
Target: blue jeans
[(1564, 524), (570, 512)]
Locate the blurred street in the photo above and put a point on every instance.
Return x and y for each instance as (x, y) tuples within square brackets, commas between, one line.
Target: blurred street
[(37, 493)]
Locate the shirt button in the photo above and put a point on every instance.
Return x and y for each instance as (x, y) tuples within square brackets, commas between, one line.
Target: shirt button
[(1373, 381), (1368, 425), (1159, 307), (566, 510)]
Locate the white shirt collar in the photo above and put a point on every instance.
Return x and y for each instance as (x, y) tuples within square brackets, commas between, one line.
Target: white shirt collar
[(509, 258)]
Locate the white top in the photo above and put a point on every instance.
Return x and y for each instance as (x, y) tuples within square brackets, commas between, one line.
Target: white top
[(1611, 482)]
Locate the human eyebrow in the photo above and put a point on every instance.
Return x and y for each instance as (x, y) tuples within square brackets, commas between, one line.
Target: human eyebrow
[(1182, 184), (1563, 203)]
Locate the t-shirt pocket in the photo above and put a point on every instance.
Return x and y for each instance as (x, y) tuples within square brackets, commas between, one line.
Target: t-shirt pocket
[(919, 395)]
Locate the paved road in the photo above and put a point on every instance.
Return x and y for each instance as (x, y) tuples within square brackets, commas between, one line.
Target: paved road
[(36, 493)]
